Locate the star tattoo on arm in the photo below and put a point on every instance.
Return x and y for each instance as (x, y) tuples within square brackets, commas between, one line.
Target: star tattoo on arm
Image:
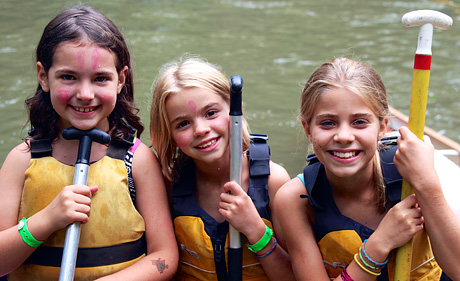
[(161, 264)]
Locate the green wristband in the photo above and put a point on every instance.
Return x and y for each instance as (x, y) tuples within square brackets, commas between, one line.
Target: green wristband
[(263, 241), (25, 234)]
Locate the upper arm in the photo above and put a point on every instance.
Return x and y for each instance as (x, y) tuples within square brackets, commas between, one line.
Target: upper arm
[(151, 200), (294, 217), (12, 183)]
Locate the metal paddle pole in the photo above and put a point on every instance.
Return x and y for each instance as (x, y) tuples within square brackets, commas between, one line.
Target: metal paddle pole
[(72, 237), (426, 19), (235, 252)]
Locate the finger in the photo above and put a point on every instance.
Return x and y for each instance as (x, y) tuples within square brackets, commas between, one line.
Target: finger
[(410, 201), (403, 131), (233, 188), (427, 139), (93, 189)]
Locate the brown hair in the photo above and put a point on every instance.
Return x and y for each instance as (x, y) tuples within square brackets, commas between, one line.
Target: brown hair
[(361, 80), (83, 23)]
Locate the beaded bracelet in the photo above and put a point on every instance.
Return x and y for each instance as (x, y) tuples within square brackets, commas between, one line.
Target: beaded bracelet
[(374, 262), (26, 235), (364, 268), (269, 252), (366, 264), (345, 276), (259, 245)]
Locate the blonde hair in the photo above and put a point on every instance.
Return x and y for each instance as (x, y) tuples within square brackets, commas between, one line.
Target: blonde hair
[(173, 78), (361, 80)]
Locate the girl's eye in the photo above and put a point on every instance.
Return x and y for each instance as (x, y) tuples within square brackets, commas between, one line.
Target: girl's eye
[(182, 124), (211, 113), (360, 122), (101, 79), (327, 123), (67, 77)]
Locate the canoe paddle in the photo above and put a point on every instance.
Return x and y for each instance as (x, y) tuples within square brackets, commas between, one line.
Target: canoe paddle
[(426, 19), (72, 237), (235, 252)]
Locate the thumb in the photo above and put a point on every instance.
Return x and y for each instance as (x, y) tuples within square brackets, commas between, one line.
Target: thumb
[(232, 187), (93, 189)]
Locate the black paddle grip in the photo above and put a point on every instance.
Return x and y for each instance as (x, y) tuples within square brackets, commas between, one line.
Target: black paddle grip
[(236, 95), (86, 137)]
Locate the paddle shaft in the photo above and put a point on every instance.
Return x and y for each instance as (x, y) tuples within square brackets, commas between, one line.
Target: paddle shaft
[(417, 114), (235, 253), (72, 237)]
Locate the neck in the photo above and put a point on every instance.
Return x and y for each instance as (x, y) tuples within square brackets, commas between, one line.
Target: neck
[(360, 183)]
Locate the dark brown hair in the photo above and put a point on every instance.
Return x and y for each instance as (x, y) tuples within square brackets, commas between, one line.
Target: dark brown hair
[(83, 23)]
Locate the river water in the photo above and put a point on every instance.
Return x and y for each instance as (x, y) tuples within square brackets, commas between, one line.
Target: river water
[(273, 45)]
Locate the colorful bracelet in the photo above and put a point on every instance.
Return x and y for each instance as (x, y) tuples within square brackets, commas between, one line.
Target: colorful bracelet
[(366, 264), (364, 268), (26, 235), (263, 241), (345, 276), (269, 252), (374, 262)]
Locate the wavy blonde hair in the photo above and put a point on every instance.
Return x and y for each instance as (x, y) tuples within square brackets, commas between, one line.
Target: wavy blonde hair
[(361, 80), (174, 77)]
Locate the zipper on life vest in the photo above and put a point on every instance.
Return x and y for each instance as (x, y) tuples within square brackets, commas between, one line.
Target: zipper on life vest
[(219, 259)]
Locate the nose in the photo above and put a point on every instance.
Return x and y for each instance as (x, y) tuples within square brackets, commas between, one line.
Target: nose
[(344, 134), (84, 91), (201, 128)]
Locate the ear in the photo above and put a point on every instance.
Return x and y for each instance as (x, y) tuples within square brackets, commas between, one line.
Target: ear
[(122, 78), (306, 128), (42, 77), (383, 128)]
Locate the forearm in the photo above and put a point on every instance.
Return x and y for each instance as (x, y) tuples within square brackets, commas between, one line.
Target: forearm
[(275, 262), (13, 250), (159, 265), (443, 228)]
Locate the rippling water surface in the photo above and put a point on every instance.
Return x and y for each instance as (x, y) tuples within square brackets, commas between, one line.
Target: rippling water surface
[(273, 45)]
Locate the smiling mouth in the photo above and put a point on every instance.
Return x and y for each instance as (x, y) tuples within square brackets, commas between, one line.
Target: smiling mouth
[(84, 109), (345, 155), (208, 144)]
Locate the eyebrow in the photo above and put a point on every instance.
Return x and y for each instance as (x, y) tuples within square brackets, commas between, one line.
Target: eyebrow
[(333, 115), (69, 71), (205, 108)]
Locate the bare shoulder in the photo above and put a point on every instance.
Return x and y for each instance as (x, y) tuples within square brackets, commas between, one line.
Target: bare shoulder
[(290, 192), (278, 176), (146, 171), (144, 155), (17, 160)]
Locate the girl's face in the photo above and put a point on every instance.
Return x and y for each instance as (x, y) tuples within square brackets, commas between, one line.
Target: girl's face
[(83, 83), (199, 121), (344, 132)]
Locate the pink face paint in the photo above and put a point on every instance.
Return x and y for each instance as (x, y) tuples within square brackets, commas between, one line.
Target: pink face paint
[(63, 95), (182, 141), (95, 56), (192, 105)]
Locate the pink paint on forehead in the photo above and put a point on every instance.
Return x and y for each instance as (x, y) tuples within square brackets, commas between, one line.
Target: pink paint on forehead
[(192, 105), (95, 58)]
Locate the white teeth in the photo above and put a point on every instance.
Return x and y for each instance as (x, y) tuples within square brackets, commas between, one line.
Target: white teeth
[(344, 155), (86, 109), (209, 143)]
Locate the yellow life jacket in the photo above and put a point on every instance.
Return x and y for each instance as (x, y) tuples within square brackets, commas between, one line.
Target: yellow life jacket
[(203, 242), (111, 240), (339, 237)]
